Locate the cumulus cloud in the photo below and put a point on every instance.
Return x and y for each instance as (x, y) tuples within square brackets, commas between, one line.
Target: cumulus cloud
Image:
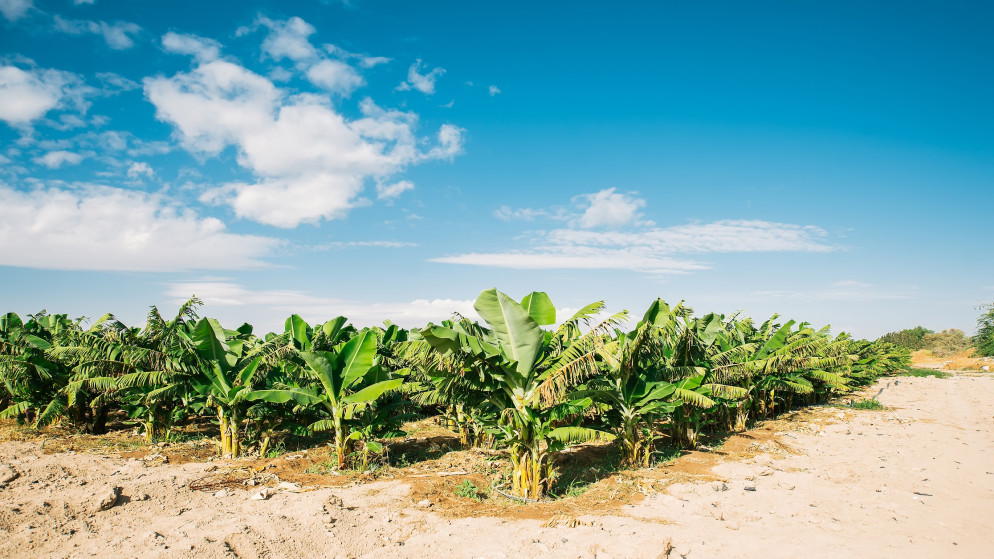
[(610, 208), (335, 76), (92, 227), (140, 169), (204, 50), (494, 90), (56, 159), (425, 83), (14, 10), (310, 162), (281, 303), (27, 95), (288, 39), (118, 35)]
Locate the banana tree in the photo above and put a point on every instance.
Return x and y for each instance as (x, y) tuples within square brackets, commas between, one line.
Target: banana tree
[(347, 382), (526, 372), (32, 381)]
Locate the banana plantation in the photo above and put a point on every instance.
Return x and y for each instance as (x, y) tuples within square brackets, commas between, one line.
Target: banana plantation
[(523, 381)]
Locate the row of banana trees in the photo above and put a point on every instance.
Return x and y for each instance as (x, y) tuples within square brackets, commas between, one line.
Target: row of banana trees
[(511, 380)]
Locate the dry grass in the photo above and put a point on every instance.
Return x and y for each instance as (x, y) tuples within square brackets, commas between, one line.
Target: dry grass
[(965, 360)]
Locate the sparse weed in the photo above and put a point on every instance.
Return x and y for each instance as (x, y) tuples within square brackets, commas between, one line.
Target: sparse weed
[(870, 404), (468, 490), (918, 372)]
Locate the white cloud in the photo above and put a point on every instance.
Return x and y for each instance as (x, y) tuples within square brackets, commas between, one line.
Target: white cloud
[(139, 169), (551, 258), (115, 83), (310, 161), (315, 309), (288, 39), (370, 61), (394, 190), (494, 90), (611, 209), (507, 213), (719, 236), (425, 83), (82, 2), (27, 95), (362, 244), (605, 208), (102, 228), (56, 159), (846, 291), (117, 35), (14, 10), (204, 50), (651, 250), (335, 76), (365, 61)]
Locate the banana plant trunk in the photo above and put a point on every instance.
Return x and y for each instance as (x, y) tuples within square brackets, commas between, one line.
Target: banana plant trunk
[(741, 415), (636, 448), (530, 471), (342, 442), (230, 443)]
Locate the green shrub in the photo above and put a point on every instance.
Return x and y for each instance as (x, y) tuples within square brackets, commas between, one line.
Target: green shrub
[(468, 490), (916, 372), (984, 340), (871, 404), (947, 342)]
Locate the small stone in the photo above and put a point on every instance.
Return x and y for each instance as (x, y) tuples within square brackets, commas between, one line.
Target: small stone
[(221, 493), (7, 474), (425, 503), (287, 486), (263, 494), (110, 499)]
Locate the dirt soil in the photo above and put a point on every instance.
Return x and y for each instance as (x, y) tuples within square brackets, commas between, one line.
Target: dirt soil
[(915, 479)]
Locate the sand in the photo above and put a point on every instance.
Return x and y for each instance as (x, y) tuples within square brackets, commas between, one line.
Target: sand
[(916, 479)]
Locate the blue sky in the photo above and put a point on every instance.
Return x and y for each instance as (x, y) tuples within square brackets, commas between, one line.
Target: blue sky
[(829, 161)]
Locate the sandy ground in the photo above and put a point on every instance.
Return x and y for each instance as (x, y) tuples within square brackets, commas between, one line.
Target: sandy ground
[(915, 480)]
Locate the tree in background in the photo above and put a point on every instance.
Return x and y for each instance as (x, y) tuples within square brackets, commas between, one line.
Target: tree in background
[(984, 340), (911, 338), (947, 342)]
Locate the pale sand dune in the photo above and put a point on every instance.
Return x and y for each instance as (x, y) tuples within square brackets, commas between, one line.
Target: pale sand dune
[(916, 480)]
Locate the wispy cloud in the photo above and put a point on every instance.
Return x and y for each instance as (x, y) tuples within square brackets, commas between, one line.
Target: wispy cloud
[(364, 244), (118, 35), (852, 291), (408, 314), (606, 230), (425, 83), (494, 90), (605, 208), (58, 158), (387, 191)]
